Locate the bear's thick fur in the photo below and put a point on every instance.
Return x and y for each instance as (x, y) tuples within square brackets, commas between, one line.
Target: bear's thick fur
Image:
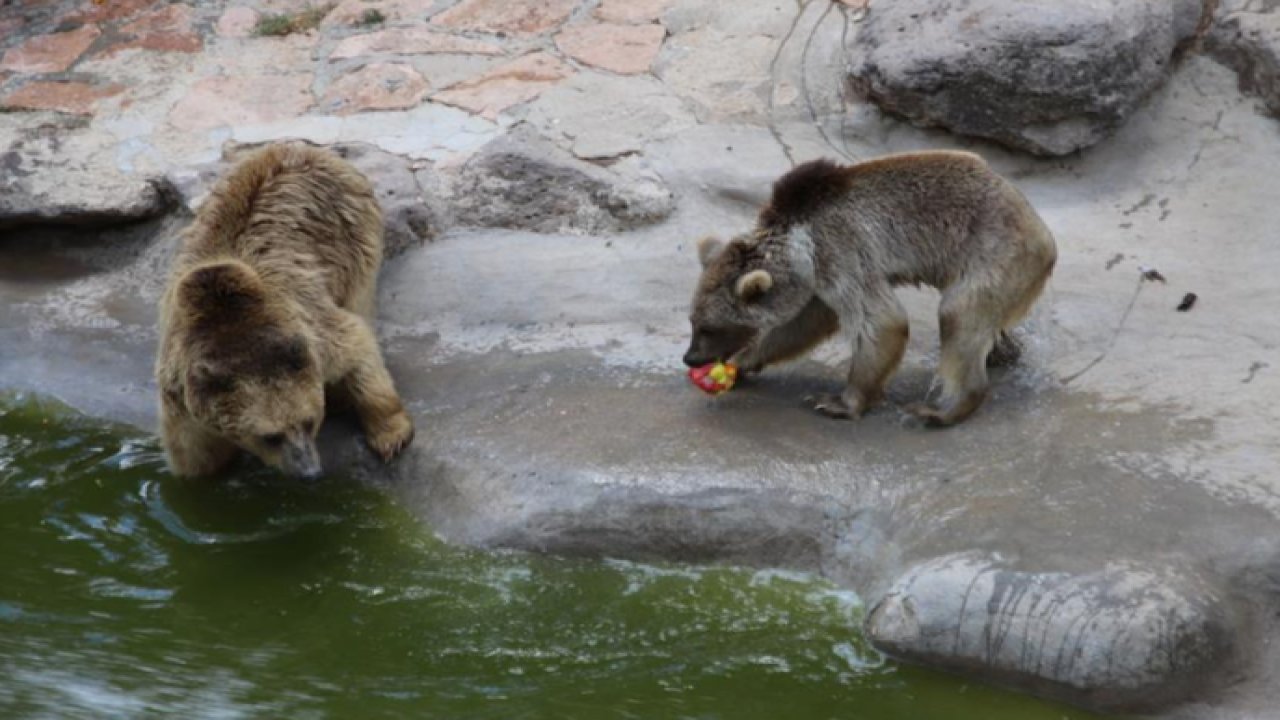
[(270, 301), (832, 244)]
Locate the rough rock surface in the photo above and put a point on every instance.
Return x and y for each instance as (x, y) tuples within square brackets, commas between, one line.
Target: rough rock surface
[(50, 53), (599, 116), (1246, 36), (377, 86), (623, 49), (223, 101), (521, 17), (69, 97), (410, 41), (1044, 76), (631, 11), (411, 214), (45, 179), (521, 181), (508, 85)]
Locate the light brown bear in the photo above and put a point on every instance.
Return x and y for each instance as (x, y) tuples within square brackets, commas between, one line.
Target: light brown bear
[(270, 301), (832, 244)]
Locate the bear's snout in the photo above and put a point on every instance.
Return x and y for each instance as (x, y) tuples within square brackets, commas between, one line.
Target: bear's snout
[(302, 461), (694, 359)]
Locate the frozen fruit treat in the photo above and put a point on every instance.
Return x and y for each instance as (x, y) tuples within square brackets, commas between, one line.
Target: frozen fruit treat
[(714, 378)]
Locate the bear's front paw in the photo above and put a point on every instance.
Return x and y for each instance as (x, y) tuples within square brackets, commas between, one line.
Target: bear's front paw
[(391, 436), (834, 406)]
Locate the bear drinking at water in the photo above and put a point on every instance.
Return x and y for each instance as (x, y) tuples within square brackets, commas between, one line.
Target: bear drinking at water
[(832, 244), (269, 302)]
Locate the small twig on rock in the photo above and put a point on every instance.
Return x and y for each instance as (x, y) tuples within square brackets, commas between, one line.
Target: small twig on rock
[(1137, 290), (804, 84), (773, 83)]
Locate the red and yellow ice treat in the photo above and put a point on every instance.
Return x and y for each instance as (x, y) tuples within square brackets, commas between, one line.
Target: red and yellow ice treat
[(714, 378)]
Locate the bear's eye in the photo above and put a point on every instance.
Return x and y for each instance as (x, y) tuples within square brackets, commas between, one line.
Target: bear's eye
[(214, 384), (294, 356), (274, 439)]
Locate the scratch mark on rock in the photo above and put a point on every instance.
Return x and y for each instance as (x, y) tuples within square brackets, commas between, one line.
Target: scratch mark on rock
[(1253, 370), (1145, 201), (1137, 290)]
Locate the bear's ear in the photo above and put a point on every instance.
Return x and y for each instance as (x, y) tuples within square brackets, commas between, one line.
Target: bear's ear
[(708, 248), (222, 290), (753, 285)]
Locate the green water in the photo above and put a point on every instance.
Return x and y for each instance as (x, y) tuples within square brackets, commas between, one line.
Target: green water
[(127, 594)]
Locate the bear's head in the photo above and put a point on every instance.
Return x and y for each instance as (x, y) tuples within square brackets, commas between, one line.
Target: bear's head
[(252, 375), (748, 286)]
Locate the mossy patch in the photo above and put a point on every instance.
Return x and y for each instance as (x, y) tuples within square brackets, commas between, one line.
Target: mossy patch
[(372, 16), (281, 24)]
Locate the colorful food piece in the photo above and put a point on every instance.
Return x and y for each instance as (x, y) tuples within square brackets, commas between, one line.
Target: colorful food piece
[(714, 378)]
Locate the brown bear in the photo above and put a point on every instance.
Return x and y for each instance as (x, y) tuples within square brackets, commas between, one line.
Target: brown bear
[(832, 244), (270, 301)]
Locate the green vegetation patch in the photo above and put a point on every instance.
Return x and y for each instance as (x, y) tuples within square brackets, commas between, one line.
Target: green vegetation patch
[(372, 16), (281, 24)]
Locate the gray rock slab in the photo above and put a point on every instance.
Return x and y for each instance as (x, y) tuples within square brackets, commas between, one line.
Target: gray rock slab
[(452, 131), (1126, 637), (598, 115), (720, 58), (734, 166), (1043, 76), (523, 181), (53, 173)]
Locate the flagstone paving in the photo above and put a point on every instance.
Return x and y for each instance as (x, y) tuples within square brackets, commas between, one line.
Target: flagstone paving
[(489, 58)]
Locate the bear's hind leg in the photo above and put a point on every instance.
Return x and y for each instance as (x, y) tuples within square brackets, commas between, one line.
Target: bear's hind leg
[(1006, 352), (876, 355), (969, 330)]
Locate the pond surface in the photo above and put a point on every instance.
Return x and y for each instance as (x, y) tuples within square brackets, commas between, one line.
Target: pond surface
[(125, 593)]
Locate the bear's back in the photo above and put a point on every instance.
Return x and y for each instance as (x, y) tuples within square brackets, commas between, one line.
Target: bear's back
[(298, 215)]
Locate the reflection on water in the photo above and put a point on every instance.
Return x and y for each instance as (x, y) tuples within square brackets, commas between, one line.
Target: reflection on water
[(125, 593)]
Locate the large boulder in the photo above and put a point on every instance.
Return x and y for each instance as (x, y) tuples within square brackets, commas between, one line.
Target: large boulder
[(522, 181), (51, 173), (1043, 76), (1125, 637)]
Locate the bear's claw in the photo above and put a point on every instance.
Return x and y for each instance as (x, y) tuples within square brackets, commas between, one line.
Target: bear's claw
[(392, 436), (931, 416), (833, 406)]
